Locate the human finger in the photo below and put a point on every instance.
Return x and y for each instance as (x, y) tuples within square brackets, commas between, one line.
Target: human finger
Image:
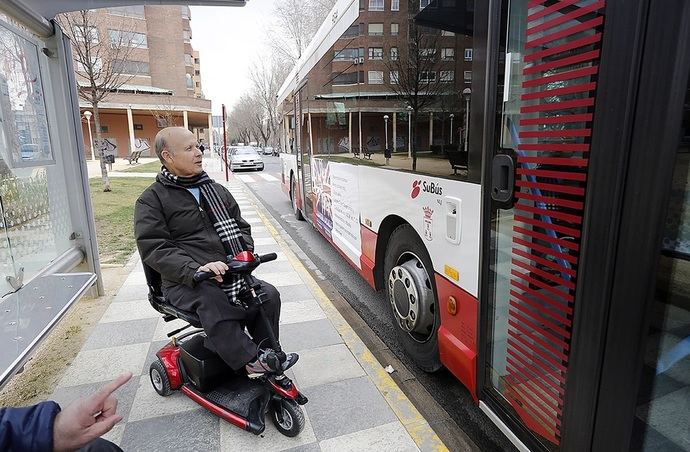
[(96, 400), (109, 407), (221, 267), (103, 426), (213, 267)]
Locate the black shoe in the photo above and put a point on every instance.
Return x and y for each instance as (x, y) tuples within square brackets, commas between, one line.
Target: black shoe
[(290, 360)]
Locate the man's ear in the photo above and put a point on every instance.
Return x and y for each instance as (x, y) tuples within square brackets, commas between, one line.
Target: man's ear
[(167, 155)]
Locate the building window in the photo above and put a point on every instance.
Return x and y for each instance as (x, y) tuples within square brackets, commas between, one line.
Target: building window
[(376, 77), (394, 54), (395, 5), (447, 33), (190, 83), (424, 3), (138, 127), (196, 61), (129, 11), (347, 78), (446, 76), (375, 5), (448, 54), (197, 72), (467, 75), (427, 76), (186, 35), (345, 55), (188, 60), (351, 32), (121, 38), (198, 85), (394, 29), (80, 34), (375, 29), (394, 77), (427, 54), (184, 10), (131, 67), (96, 66), (104, 129), (376, 53), (468, 54)]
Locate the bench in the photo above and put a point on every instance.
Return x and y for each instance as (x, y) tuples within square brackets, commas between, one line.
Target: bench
[(134, 157), (458, 161), (28, 315)]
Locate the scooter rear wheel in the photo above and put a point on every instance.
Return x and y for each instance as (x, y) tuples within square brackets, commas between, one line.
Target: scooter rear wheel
[(159, 378), (293, 418)]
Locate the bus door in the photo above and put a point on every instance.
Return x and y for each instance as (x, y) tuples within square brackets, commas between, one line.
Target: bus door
[(543, 58), (304, 150)]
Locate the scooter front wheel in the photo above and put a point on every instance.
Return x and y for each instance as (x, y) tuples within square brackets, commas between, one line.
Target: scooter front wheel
[(159, 379), (290, 420)]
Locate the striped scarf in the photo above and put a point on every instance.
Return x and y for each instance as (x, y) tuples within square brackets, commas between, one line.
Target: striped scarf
[(224, 224)]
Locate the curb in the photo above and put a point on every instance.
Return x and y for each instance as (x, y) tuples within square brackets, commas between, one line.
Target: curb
[(414, 423)]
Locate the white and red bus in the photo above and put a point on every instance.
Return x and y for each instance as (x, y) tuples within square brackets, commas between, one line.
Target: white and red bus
[(512, 174)]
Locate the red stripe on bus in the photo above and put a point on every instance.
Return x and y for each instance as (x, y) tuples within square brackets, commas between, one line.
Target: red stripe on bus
[(560, 119), (522, 390), (545, 362), (549, 226), (555, 292), (567, 147), (535, 315), (588, 25), (545, 262), (561, 306), (562, 62), (581, 42), (567, 189), (563, 18), (544, 274), (576, 219), (551, 200), (560, 161), (561, 76), (545, 249), (564, 105), (541, 308), (556, 133), (520, 378), (579, 88), (536, 366), (538, 235), (557, 346), (550, 9)]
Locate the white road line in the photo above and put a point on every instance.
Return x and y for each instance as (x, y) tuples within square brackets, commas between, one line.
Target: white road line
[(246, 178), (268, 177)]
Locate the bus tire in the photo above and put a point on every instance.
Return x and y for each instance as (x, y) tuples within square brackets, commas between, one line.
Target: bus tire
[(411, 293), (293, 200)]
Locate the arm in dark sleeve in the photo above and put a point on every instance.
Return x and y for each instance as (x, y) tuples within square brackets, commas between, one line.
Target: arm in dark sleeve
[(157, 248), (245, 228), (29, 428)]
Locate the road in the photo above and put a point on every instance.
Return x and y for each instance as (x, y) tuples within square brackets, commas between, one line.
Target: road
[(371, 306)]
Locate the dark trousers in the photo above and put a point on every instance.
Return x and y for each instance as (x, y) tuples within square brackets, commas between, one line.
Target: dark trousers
[(224, 322), (100, 445)]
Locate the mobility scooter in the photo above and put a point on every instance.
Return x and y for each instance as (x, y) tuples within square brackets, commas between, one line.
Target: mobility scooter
[(185, 364)]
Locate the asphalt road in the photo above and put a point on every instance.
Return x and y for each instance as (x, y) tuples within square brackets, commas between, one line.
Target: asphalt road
[(371, 307)]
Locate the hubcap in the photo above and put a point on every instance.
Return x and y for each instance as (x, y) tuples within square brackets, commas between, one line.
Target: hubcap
[(411, 297), (287, 420), (156, 380)]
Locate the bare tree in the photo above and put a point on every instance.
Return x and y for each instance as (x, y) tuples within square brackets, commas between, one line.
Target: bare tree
[(415, 68), (100, 63), (296, 23), (266, 77), (165, 113)]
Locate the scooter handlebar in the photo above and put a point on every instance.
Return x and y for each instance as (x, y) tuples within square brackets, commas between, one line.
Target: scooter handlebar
[(203, 276)]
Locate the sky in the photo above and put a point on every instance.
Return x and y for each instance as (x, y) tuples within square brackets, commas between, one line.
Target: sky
[(229, 41)]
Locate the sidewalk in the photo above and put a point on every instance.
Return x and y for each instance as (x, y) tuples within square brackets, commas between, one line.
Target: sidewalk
[(354, 405)]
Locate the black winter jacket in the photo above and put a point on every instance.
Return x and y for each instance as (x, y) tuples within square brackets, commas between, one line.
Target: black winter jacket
[(175, 235)]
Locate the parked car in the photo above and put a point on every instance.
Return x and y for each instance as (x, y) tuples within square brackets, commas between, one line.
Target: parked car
[(268, 150), (245, 158)]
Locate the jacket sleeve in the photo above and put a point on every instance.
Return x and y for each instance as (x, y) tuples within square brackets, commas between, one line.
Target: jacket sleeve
[(245, 228), (156, 247), (29, 428)]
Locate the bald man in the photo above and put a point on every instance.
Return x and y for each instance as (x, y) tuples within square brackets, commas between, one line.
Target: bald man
[(184, 223)]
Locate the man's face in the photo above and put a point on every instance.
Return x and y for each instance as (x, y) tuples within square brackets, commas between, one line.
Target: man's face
[(182, 155)]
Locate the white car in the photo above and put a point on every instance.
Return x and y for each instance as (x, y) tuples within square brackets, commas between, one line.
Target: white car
[(246, 158), (268, 150)]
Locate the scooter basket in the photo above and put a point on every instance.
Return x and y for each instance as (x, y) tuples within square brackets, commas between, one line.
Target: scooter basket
[(203, 367)]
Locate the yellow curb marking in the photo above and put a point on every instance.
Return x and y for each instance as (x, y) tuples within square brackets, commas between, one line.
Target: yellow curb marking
[(415, 424)]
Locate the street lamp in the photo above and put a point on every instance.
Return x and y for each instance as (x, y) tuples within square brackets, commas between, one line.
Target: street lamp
[(409, 131), (467, 93), (87, 115), (451, 127), (385, 150)]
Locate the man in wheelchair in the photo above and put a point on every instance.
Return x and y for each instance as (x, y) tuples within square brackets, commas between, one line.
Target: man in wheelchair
[(184, 223)]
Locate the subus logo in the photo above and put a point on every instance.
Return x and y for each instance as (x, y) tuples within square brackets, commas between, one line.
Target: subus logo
[(419, 186), (415, 189)]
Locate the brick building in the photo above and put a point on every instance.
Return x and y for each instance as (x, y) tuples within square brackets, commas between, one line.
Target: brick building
[(164, 84), (354, 81)]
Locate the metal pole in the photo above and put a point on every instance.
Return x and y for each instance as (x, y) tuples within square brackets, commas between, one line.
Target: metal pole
[(88, 121), (409, 134), (451, 128), (225, 146), (467, 120)]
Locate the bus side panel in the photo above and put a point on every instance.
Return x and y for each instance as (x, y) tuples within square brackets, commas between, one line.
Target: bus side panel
[(457, 337), (445, 214)]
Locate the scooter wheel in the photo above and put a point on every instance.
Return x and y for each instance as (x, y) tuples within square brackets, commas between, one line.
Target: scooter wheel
[(159, 379), (293, 418)]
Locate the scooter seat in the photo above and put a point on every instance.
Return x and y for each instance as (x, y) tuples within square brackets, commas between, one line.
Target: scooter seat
[(170, 312)]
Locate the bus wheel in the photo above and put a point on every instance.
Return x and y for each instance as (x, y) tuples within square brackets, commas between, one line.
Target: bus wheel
[(411, 290), (293, 199)]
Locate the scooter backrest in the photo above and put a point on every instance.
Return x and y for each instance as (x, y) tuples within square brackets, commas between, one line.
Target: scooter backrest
[(153, 279)]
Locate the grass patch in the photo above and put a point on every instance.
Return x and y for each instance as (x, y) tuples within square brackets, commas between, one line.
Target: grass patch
[(151, 167), (114, 216)]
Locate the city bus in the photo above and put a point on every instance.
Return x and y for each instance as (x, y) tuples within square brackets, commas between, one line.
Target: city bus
[(513, 174)]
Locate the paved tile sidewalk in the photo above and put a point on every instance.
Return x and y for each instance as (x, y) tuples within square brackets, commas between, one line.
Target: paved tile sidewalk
[(353, 404)]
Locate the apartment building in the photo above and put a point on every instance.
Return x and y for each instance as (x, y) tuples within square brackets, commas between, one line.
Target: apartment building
[(163, 74), (360, 93)]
